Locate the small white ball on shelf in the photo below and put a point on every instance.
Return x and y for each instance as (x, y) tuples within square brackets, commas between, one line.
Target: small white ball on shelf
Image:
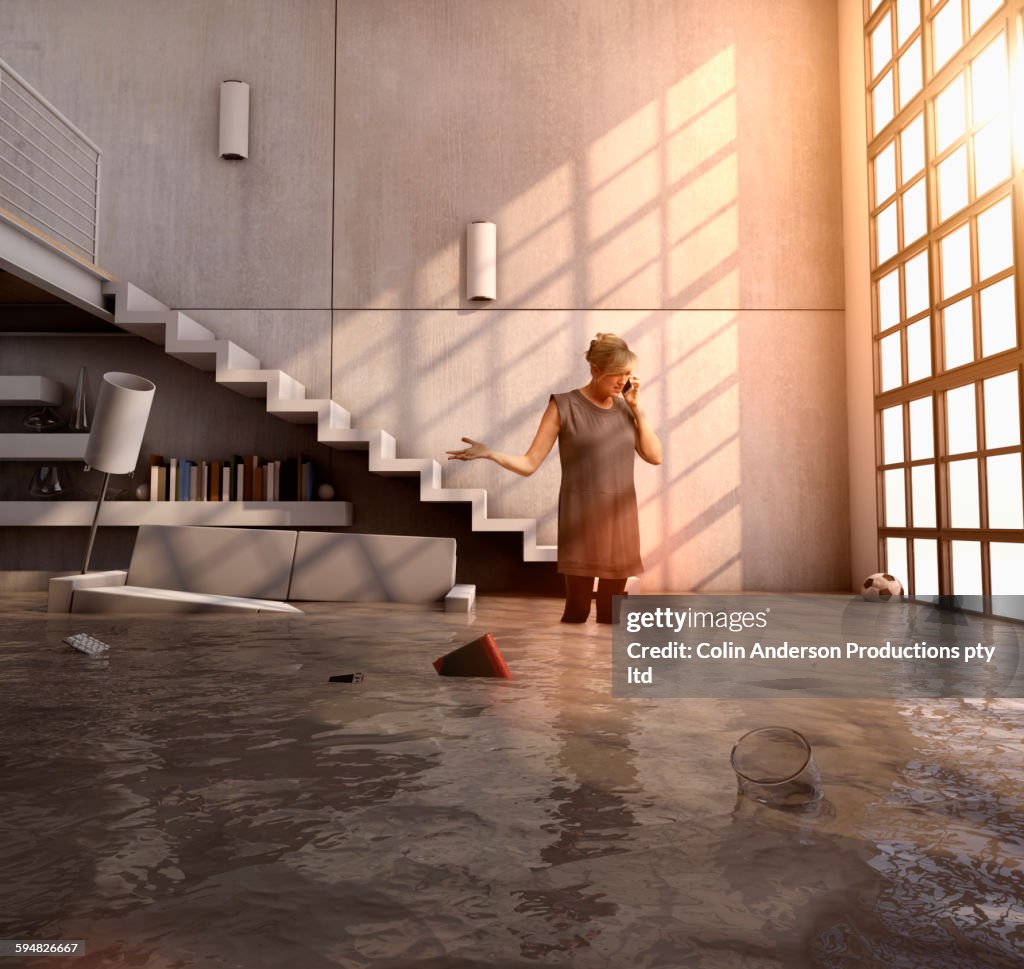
[(142, 491), (881, 586), (325, 492)]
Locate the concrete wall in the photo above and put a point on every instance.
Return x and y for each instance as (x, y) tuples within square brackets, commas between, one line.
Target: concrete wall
[(665, 169), (864, 557)]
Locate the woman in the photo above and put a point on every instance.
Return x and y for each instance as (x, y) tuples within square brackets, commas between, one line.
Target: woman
[(598, 427)]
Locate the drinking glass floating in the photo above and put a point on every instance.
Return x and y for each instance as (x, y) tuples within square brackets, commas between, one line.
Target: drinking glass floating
[(775, 766)]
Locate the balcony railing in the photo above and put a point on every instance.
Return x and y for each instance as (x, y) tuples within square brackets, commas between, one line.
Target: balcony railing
[(49, 169)]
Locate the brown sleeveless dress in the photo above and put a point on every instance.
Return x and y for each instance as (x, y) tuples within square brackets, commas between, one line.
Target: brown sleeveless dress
[(598, 524)]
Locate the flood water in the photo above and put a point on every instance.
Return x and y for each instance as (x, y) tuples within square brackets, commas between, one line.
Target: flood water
[(203, 796)]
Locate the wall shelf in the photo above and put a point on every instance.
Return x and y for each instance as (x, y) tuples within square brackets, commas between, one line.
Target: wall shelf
[(29, 391), (28, 446), (255, 514)]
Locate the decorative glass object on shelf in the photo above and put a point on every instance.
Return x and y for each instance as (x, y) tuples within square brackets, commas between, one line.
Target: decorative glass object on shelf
[(79, 418), (45, 419), (49, 481)]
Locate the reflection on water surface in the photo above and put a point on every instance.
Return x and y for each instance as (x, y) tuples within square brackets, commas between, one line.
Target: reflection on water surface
[(203, 796)]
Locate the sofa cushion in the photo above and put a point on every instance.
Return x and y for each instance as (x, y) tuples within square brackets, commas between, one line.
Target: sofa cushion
[(247, 562), (127, 598), (335, 567)]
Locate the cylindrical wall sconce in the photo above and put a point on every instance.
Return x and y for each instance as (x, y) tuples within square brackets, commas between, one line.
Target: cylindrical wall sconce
[(482, 261), (234, 120)]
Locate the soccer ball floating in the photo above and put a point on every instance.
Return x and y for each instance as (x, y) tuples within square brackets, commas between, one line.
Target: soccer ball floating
[(882, 586)]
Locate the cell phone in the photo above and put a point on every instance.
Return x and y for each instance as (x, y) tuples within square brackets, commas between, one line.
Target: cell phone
[(628, 386)]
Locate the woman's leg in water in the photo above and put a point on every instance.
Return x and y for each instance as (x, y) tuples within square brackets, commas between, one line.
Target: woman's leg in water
[(578, 590), (606, 588)]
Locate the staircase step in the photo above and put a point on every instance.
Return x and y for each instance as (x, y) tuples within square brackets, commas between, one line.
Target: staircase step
[(502, 524), (353, 439), (235, 358), (318, 411), (394, 467), (189, 329), (128, 296), (262, 383), (454, 494), (185, 339), (540, 553)]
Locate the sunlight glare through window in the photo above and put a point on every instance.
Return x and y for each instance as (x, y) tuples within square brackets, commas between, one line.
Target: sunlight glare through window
[(922, 439), (998, 318), (915, 281), (961, 420), (995, 239), (958, 324), (947, 33), (892, 434), (1002, 417)]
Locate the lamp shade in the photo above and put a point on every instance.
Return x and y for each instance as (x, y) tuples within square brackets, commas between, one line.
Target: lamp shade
[(119, 422), (234, 120), (481, 261)]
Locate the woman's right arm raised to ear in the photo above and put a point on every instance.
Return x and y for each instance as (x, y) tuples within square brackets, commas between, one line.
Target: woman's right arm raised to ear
[(524, 464)]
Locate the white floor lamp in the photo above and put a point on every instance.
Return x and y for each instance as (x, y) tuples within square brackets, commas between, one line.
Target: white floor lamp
[(115, 440)]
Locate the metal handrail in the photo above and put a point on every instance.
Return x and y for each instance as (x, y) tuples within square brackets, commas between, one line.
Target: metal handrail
[(49, 191), (39, 220), (42, 141), (25, 155), (70, 125)]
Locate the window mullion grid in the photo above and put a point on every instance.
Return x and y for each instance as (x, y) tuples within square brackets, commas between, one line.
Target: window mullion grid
[(945, 555), (980, 368), (940, 444), (897, 73), (872, 81), (879, 477), (871, 20), (981, 457), (1015, 37), (990, 366), (1017, 230), (986, 568), (975, 290)]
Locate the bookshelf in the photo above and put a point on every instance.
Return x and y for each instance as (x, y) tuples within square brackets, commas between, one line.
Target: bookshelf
[(252, 514), (43, 447), (50, 447), (29, 391)]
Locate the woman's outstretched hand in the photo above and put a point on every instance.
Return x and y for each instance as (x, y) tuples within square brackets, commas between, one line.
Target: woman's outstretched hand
[(476, 449)]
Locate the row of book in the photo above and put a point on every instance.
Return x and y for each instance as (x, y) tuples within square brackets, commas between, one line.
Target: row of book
[(242, 478)]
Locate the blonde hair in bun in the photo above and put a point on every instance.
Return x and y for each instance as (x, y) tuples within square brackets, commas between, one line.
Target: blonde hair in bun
[(610, 354)]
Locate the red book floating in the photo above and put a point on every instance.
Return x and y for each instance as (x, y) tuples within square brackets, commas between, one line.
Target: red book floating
[(478, 658)]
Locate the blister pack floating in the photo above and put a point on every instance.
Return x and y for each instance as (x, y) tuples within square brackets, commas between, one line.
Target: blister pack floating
[(85, 643)]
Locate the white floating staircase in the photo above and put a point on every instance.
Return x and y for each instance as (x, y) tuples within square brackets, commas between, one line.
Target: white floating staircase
[(185, 339)]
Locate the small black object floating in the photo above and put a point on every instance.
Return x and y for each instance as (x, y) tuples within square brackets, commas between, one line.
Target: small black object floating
[(85, 643), (347, 678)]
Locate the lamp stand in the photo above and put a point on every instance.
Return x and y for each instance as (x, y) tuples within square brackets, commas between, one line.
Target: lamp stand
[(95, 521)]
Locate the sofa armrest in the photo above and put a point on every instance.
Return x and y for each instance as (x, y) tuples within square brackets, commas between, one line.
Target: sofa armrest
[(62, 588)]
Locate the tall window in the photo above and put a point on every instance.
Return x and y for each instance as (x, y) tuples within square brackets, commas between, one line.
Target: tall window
[(945, 104)]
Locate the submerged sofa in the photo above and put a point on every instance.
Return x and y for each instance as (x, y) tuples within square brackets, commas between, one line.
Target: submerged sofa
[(187, 568)]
